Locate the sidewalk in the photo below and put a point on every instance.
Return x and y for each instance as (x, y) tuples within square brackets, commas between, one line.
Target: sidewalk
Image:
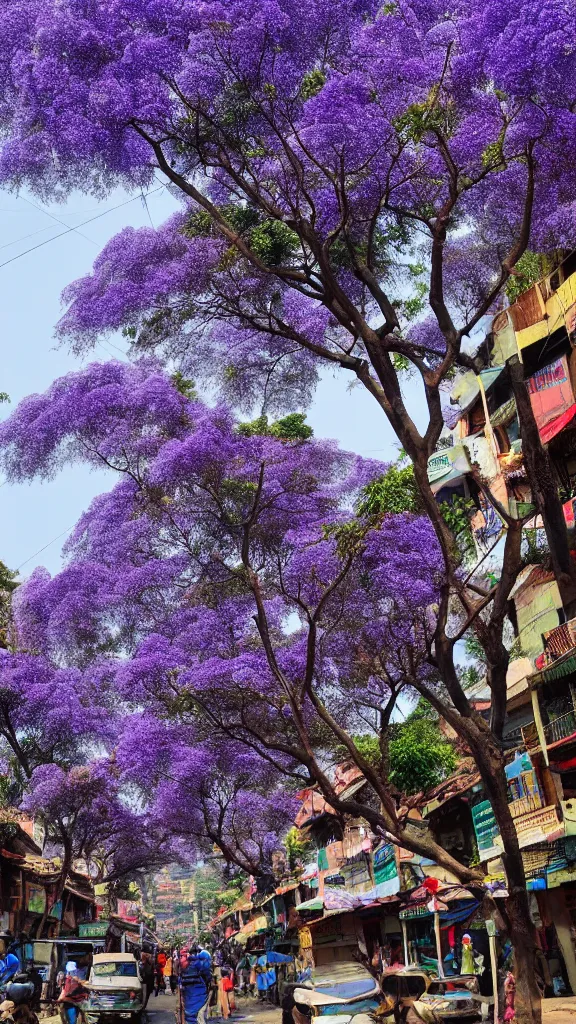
[(560, 1010), (249, 1009)]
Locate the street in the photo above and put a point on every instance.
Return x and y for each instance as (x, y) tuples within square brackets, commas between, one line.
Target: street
[(162, 1010)]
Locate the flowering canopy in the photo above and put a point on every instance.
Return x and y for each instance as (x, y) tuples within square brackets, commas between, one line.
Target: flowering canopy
[(317, 148), (227, 573)]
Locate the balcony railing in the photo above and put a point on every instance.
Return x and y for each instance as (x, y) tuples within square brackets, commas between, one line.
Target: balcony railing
[(561, 727), (530, 736), (525, 804)]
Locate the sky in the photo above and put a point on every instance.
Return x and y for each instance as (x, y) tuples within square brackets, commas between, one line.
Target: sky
[(35, 518)]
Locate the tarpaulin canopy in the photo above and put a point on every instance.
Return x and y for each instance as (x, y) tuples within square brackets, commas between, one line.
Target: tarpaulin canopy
[(467, 388), (314, 904), (447, 465), (552, 398)]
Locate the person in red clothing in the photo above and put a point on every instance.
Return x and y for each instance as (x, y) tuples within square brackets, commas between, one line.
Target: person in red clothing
[(159, 980)]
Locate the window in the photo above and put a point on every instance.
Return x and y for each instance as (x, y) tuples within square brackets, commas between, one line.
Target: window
[(116, 970)]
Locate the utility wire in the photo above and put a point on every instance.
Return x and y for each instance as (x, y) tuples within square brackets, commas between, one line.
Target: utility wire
[(49, 544), (69, 230), (57, 219), (23, 238), (146, 207)]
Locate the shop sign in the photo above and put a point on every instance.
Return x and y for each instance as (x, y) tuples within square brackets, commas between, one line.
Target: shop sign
[(128, 910), (448, 462), (55, 911), (93, 929), (36, 899), (413, 912), (385, 870)]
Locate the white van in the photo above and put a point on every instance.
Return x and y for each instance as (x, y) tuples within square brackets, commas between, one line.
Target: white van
[(116, 988)]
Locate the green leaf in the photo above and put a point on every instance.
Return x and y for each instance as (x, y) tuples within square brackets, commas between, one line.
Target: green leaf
[(312, 83)]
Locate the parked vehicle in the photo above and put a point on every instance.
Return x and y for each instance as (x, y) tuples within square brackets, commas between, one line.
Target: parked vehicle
[(412, 988), (21, 999), (339, 993), (116, 988), (452, 998)]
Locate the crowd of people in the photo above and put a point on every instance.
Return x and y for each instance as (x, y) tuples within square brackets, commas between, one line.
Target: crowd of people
[(209, 983)]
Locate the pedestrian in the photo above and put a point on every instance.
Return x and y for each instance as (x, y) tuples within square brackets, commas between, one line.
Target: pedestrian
[(74, 992), (147, 971), (253, 962), (243, 971), (213, 1007), (159, 983), (167, 972), (173, 980), (261, 977), (273, 958), (196, 982), (228, 986)]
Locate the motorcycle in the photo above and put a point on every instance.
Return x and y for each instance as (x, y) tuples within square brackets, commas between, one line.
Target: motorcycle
[(17, 1007)]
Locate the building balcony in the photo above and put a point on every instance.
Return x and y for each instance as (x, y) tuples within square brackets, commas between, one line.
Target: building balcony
[(525, 805), (530, 736), (561, 728)]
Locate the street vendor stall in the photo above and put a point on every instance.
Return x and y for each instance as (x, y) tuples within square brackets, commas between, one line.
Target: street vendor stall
[(429, 920)]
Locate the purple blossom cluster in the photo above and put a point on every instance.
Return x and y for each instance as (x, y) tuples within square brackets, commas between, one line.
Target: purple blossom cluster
[(168, 580), (352, 126)]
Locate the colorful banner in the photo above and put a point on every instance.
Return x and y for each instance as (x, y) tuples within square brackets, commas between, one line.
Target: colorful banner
[(55, 911), (552, 398), (356, 875), (386, 870), (93, 930), (485, 827), (339, 899), (36, 899), (128, 910)]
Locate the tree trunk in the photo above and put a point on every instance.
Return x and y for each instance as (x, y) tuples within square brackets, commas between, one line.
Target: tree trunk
[(490, 761), (544, 488), (528, 1000), (484, 745), (521, 928)]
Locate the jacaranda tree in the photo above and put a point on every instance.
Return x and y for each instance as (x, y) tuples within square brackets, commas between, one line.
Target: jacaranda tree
[(52, 720), (346, 168), (238, 599)]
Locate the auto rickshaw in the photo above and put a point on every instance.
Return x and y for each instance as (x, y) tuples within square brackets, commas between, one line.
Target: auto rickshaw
[(414, 993)]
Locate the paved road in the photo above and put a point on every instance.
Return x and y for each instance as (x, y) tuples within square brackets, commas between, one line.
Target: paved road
[(162, 1010)]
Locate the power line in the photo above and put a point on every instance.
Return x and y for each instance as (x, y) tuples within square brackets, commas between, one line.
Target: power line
[(57, 219), (69, 230), (23, 238), (145, 204), (50, 542)]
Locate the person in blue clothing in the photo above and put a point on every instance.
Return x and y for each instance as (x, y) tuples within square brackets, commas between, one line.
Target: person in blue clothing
[(262, 977), (266, 976), (195, 982), (9, 966)]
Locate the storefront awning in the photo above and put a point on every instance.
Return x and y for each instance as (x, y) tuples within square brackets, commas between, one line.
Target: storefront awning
[(446, 466), (565, 666), (314, 904)]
